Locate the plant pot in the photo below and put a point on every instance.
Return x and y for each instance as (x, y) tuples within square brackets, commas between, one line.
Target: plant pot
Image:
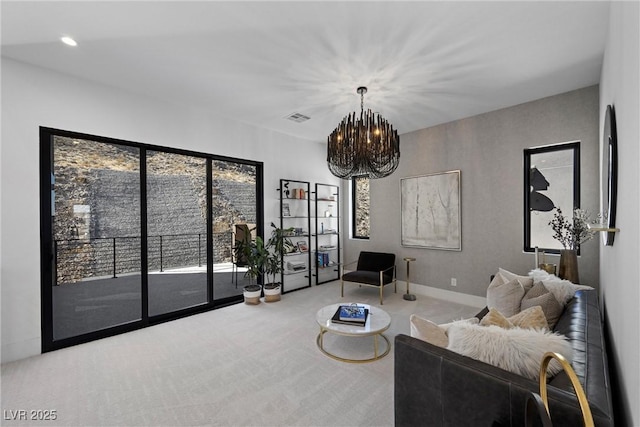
[(272, 292), (252, 294)]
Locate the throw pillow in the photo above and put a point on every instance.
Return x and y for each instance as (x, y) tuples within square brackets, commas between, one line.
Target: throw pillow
[(539, 295), (525, 281), (531, 318), (516, 350), (494, 317), (428, 331), (505, 295), (472, 321), (562, 290)]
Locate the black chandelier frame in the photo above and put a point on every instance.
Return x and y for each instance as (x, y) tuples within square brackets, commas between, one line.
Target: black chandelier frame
[(365, 146)]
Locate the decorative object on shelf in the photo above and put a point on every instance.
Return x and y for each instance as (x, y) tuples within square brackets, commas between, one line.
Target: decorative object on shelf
[(327, 233), (367, 146), (571, 234), (286, 211), (302, 246), (609, 177), (408, 296), (430, 211)]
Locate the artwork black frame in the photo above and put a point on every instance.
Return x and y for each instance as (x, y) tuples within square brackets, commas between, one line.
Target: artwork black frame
[(609, 175)]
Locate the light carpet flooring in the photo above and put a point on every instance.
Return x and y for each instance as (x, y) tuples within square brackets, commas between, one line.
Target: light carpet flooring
[(237, 366)]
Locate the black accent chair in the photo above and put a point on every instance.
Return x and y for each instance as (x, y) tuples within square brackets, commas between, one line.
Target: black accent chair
[(374, 269)]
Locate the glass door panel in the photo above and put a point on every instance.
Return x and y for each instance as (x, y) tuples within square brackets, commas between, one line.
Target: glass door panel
[(177, 231), (96, 236), (234, 205)]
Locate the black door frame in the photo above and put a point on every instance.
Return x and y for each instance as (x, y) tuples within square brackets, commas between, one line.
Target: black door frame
[(46, 239)]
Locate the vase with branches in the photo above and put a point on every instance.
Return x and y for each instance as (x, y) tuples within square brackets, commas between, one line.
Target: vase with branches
[(571, 233)]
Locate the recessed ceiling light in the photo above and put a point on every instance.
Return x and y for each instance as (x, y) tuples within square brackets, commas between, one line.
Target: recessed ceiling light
[(68, 41)]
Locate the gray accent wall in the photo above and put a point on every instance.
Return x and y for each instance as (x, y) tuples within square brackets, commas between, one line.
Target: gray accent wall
[(488, 150)]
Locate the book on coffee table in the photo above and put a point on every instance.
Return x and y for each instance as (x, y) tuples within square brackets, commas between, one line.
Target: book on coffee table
[(351, 315)]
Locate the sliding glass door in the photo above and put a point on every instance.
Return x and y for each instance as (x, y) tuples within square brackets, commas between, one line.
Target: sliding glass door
[(134, 234), (97, 276), (176, 231)]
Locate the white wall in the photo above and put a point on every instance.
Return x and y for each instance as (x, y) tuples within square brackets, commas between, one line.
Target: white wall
[(619, 267), (34, 97)]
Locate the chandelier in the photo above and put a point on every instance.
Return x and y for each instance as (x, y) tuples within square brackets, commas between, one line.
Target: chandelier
[(368, 146)]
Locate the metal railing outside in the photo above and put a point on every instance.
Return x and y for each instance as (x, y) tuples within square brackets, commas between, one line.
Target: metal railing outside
[(78, 259)]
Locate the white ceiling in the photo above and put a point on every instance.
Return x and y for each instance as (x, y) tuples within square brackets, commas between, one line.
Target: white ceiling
[(425, 63)]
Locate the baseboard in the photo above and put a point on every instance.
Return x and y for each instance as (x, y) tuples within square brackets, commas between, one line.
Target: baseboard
[(460, 298)]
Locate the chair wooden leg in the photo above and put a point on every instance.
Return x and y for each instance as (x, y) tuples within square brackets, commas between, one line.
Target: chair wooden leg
[(381, 289), (342, 288)]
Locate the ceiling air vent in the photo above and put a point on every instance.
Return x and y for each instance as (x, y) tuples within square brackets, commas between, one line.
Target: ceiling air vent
[(298, 118)]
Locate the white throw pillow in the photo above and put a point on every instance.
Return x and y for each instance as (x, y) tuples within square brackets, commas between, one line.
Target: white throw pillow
[(428, 331), (525, 281), (562, 290), (505, 295), (516, 350)]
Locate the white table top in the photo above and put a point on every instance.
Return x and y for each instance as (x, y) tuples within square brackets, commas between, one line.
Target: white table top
[(378, 321)]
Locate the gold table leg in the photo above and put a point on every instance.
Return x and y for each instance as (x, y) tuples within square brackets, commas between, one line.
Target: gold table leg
[(376, 356)]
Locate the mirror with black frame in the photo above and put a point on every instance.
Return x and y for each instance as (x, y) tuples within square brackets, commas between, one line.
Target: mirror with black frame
[(551, 180), (609, 175)]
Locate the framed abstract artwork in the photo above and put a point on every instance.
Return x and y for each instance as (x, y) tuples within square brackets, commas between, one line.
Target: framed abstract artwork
[(430, 211)]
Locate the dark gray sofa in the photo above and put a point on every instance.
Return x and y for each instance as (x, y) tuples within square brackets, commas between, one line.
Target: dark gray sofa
[(437, 387)]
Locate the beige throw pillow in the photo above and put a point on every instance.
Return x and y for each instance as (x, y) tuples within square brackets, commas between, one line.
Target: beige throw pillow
[(505, 295), (428, 331), (531, 318), (540, 296), (494, 317)]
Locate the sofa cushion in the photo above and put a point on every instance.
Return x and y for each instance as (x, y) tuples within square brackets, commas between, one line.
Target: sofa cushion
[(516, 350), (539, 295), (428, 331), (494, 317), (505, 295), (525, 281), (531, 318)]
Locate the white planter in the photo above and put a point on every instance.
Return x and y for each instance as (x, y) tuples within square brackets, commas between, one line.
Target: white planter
[(272, 294), (251, 297)]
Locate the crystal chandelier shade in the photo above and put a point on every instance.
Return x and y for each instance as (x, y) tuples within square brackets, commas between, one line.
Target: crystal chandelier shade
[(364, 146)]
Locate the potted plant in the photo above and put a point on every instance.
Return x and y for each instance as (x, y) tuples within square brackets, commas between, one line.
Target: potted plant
[(277, 246), (255, 254)]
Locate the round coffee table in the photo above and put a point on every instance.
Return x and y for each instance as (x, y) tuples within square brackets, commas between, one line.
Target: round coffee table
[(377, 322)]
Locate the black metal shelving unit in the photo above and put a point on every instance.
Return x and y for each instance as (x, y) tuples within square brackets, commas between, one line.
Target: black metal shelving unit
[(326, 257), (295, 211)]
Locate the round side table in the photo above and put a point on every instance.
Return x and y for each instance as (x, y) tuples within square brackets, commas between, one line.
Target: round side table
[(408, 296)]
